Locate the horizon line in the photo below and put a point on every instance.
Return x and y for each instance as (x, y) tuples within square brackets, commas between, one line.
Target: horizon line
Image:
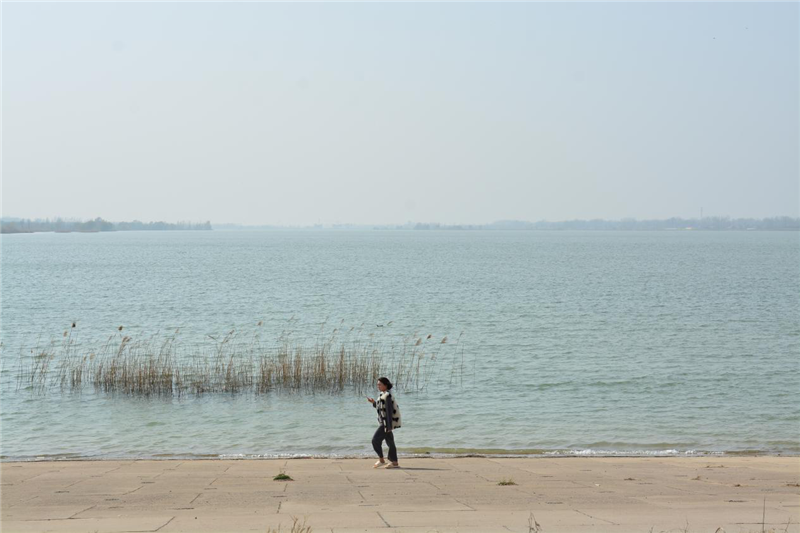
[(11, 219)]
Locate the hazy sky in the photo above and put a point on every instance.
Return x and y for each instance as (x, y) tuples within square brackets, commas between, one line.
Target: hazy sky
[(278, 113)]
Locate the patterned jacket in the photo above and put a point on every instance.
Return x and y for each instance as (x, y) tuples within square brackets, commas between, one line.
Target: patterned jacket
[(388, 411)]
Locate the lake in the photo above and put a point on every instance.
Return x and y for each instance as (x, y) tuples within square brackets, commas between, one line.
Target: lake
[(618, 343)]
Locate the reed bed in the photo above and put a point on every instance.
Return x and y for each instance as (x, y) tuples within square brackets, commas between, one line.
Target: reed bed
[(238, 362)]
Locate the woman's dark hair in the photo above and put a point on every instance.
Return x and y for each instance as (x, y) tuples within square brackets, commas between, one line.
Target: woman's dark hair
[(386, 382)]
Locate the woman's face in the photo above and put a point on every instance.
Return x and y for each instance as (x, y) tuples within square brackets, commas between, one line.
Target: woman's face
[(381, 386)]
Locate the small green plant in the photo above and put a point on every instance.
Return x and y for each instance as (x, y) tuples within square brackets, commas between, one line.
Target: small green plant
[(282, 477), (508, 481)]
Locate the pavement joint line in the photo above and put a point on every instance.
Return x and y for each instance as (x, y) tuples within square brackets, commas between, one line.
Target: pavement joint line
[(465, 504), (759, 523), (501, 464), (37, 475), (483, 478), (108, 471), (526, 493), (596, 518), (79, 512), (60, 519), (193, 499), (216, 478), (164, 524), (132, 491), (26, 500), (685, 490), (382, 518)]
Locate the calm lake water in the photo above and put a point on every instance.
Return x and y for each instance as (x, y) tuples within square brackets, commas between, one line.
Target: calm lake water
[(574, 342)]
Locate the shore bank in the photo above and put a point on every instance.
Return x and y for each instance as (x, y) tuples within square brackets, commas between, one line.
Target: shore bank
[(575, 494)]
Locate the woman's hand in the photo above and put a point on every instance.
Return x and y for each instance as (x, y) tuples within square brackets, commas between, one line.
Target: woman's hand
[(370, 400)]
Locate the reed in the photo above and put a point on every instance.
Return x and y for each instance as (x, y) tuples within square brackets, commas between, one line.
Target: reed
[(237, 362)]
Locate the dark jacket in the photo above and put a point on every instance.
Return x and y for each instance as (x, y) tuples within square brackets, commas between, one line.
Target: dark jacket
[(388, 411)]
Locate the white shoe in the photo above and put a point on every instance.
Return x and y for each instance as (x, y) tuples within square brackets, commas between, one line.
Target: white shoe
[(391, 465), (379, 464)]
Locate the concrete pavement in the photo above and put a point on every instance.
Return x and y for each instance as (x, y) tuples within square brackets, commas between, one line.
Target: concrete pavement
[(572, 494)]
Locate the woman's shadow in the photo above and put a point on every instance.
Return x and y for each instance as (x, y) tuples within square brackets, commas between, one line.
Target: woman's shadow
[(417, 468)]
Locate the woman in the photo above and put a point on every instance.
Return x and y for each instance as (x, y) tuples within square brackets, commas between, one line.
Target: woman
[(389, 419)]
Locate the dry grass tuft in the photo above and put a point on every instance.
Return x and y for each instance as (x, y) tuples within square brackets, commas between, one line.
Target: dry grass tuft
[(296, 527)]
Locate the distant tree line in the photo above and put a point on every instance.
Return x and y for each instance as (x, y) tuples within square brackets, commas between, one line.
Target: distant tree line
[(26, 225), (706, 223)]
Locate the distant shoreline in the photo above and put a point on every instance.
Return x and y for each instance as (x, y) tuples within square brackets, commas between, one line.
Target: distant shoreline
[(85, 231), (781, 223), (491, 230), (553, 230), (99, 225), (22, 225)]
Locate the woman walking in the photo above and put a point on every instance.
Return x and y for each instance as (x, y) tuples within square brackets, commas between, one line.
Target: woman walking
[(389, 419)]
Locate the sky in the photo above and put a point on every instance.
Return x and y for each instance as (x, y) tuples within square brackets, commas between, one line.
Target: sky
[(384, 113)]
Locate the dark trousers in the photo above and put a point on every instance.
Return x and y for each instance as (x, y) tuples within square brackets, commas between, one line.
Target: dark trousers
[(377, 441)]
